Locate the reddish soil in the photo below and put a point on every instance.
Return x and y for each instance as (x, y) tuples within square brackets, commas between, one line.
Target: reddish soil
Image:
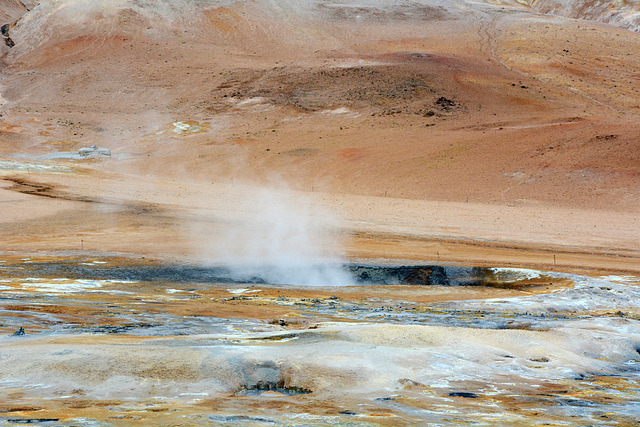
[(424, 128)]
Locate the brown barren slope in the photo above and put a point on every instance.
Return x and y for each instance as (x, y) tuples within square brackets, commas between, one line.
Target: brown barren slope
[(428, 125)]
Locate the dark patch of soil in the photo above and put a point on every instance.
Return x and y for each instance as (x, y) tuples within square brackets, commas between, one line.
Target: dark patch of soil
[(382, 89)]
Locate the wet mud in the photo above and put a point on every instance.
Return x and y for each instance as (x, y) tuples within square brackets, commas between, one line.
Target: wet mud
[(115, 341), (361, 274)]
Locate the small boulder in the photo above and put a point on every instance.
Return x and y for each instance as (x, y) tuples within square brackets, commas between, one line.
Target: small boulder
[(444, 103)]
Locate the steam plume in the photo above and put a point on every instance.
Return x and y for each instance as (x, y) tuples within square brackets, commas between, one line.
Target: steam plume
[(281, 237)]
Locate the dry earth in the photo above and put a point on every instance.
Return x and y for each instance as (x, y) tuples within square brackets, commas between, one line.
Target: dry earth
[(435, 121)]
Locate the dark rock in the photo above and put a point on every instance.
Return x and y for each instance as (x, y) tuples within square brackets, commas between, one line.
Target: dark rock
[(19, 332), (606, 137), (465, 394), (444, 103)]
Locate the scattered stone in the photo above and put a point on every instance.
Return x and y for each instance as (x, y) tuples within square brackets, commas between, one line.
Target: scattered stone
[(444, 103), (606, 137), (19, 332), (390, 111)]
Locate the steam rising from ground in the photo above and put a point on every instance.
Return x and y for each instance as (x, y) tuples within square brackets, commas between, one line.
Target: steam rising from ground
[(278, 236)]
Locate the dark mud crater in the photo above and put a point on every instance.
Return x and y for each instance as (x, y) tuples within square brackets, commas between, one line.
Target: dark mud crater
[(357, 274)]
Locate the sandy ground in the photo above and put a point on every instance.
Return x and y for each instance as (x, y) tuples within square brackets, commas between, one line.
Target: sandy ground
[(193, 216)]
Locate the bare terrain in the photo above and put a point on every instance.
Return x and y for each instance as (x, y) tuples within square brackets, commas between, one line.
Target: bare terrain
[(496, 108), (294, 133)]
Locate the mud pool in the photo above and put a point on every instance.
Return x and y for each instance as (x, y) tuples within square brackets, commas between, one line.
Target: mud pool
[(115, 341)]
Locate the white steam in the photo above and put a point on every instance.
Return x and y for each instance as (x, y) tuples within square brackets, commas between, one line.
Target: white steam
[(280, 237)]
